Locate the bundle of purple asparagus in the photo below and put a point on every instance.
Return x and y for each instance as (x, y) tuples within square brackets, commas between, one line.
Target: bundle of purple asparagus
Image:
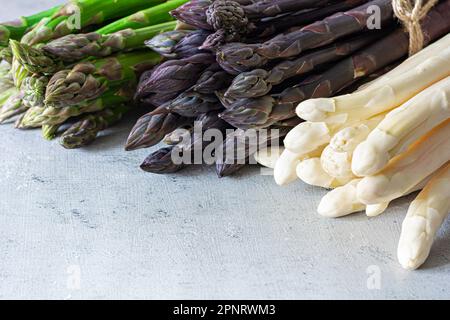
[(251, 62)]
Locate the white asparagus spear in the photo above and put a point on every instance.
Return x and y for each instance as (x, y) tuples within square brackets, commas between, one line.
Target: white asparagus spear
[(341, 201), (425, 216), (406, 170), (311, 172), (268, 157), (344, 201), (308, 136), (337, 156), (402, 127), (286, 166), (375, 210), (382, 97), (412, 61)]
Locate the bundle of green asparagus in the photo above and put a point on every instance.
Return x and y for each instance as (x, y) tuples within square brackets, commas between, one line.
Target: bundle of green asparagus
[(288, 52), (77, 84), (380, 143)]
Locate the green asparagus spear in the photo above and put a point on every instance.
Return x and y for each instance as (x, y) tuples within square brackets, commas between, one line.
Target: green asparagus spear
[(12, 107), (34, 88), (39, 116), (144, 18), (80, 46), (17, 28), (5, 95), (79, 14), (86, 130), (50, 132), (33, 60), (89, 80)]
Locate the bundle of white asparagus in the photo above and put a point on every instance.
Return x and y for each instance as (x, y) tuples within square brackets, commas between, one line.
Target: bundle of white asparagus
[(388, 139)]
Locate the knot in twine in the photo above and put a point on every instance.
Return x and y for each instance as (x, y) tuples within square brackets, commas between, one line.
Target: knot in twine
[(411, 13)]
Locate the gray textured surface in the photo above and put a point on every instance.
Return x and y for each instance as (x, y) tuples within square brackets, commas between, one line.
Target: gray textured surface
[(134, 235)]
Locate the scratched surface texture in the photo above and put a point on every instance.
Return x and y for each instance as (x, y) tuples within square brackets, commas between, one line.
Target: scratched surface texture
[(90, 225)]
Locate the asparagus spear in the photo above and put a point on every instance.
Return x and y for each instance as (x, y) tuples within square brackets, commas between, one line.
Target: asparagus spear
[(160, 162), (39, 116), (240, 145), (16, 29), (34, 88), (6, 81), (12, 107), (6, 54), (264, 111), (259, 82), (85, 131), (271, 26), (175, 158), (189, 45), (425, 215), (165, 43), (90, 12), (76, 47), (238, 57), (89, 80), (33, 60), (151, 16), (401, 128), (271, 8), (50, 132), (212, 80), (150, 129), (171, 78), (6, 94), (192, 104), (194, 13), (423, 158)]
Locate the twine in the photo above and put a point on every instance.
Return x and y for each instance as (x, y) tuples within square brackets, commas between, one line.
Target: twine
[(411, 13)]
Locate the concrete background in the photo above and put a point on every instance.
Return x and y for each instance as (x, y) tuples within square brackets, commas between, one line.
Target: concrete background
[(89, 224)]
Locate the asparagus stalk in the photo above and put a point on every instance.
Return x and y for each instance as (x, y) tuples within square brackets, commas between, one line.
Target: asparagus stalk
[(150, 129), (338, 156), (188, 46), (12, 107), (160, 162), (32, 59), (34, 88), (238, 57), (76, 47), (50, 132), (85, 131), (402, 127), (425, 215), (165, 43), (275, 25), (16, 29), (6, 94), (241, 145), (6, 55), (151, 16), (89, 80), (268, 157), (192, 104), (259, 82), (90, 12), (187, 152), (194, 13), (264, 111), (39, 116), (171, 78), (423, 158), (311, 172)]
